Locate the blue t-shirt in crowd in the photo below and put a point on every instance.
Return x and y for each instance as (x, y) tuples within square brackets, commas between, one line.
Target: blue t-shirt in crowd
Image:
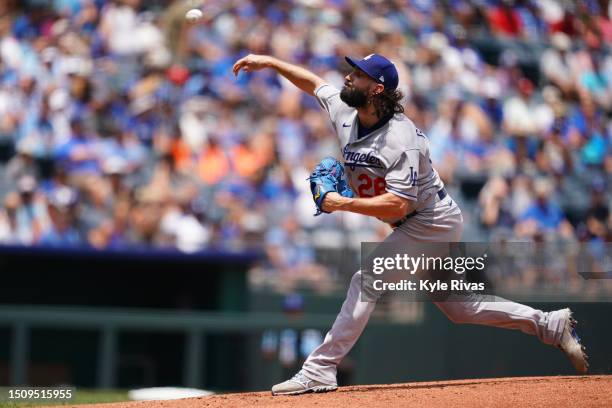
[(548, 216), (54, 237)]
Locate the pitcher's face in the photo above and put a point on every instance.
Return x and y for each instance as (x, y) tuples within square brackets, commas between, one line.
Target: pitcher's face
[(358, 88)]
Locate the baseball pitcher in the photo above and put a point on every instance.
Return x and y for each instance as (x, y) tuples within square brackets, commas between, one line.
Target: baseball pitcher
[(387, 165)]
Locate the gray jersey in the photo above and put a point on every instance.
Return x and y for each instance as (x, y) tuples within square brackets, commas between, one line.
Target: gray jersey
[(393, 158)]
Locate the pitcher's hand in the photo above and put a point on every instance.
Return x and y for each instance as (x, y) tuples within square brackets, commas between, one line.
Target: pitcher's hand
[(251, 63)]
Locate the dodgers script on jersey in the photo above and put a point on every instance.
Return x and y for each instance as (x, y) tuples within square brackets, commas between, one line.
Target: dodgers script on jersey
[(393, 158)]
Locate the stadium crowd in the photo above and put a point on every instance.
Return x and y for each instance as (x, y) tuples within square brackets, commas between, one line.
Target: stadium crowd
[(122, 125)]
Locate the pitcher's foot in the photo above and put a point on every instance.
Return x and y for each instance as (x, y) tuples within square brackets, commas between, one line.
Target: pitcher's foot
[(300, 384), (571, 346)]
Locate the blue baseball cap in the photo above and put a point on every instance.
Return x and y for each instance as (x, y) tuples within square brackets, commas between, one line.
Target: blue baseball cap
[(378, 68)]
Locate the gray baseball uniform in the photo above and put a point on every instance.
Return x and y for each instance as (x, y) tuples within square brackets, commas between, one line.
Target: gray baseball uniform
[(395, 158)]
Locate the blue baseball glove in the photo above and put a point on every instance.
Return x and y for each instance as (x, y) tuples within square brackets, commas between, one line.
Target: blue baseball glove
[(328, 176)]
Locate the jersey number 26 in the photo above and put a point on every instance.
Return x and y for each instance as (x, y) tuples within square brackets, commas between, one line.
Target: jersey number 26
[(369, 187)]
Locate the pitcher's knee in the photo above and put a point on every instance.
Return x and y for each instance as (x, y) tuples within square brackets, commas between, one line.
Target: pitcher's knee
[(364, 284), (457, 318), (455, 314)]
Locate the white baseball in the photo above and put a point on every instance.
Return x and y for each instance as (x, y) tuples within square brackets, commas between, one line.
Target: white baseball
[(193, 15)]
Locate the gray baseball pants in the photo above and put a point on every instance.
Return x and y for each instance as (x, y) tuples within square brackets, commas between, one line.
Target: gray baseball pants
[(444, 224)]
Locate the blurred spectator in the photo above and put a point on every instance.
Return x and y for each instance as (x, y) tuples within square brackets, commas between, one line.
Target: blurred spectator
[(24, 162), (181, 223), (62, 231), (598, 215), (495, 204), (79, 154), (505, 19), (520, 112), (556, 64), (31, 215), (8, 220), (544, 216), (491, 93), (554, 156), (213, 163)]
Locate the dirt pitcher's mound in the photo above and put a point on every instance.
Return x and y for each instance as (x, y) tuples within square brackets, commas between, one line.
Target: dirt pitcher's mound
[(558, 392)]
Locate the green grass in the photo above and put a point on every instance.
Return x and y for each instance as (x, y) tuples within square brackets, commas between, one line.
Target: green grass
[(82, 396)]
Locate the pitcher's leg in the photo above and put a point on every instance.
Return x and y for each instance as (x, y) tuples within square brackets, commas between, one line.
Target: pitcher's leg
[(479, 309), (352, 319)]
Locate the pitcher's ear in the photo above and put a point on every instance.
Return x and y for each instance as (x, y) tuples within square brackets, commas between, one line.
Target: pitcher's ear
[(378, 89)]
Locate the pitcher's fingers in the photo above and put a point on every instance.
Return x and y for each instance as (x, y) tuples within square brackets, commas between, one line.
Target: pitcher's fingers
[(239, 64)]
